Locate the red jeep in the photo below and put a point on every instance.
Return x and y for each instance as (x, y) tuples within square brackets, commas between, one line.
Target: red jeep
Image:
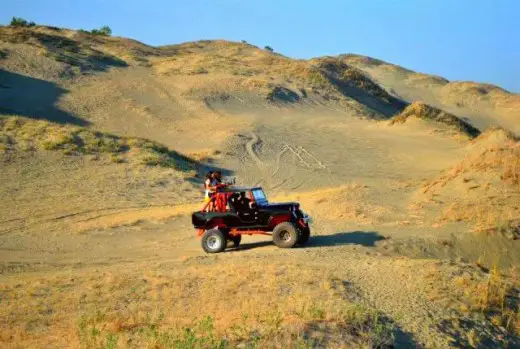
[(235, 211)]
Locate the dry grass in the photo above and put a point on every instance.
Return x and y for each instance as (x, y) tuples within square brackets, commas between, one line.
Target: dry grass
[(346, 202), (60, 46), (490, 102), (493, 137), (206, 306), (132, 217), (502, 160), (228, 66), (483, 189), (347, 75), (22, 134), (496, 297), (469, 94), (205, 155), (425, 112)]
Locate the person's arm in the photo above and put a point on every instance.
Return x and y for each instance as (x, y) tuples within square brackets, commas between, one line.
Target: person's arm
[(208, 185)]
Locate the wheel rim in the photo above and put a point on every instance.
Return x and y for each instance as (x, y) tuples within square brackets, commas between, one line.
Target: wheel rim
[(285, 236), (213, 243)]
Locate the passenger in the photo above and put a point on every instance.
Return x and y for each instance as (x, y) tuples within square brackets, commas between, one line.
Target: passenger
[(217, 176), (209, 188)]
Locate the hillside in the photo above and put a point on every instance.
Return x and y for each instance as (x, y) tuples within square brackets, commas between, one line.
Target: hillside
[(170, 88), (412, 187), (484, 105)]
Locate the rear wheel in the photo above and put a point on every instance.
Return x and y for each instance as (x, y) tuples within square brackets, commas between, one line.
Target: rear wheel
[(213, 241), (285, 235), (305, 234)]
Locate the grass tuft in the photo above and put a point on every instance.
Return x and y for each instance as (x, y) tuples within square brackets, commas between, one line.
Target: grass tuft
[(425, 112), (496, 297)]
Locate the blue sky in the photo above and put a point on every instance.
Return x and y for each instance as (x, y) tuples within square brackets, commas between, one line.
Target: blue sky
[(476, 40)]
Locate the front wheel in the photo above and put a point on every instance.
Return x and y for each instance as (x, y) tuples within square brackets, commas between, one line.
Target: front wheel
[(285, 235), (213, 241)]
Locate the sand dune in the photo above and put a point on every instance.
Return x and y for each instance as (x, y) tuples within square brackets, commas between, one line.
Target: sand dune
[(413, 191)]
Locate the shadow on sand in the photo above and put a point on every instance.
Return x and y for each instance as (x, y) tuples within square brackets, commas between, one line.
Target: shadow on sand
[(33, 98), (78, 54), (362, 238)]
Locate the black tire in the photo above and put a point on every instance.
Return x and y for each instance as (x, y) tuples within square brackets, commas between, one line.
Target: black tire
[(285, 235), (235, 240), (213, 241), (305, 234)]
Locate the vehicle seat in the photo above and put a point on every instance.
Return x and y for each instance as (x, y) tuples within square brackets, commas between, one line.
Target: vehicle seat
[(244, 212)]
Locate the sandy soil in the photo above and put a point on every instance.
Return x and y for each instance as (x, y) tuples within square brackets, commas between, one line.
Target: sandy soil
[(95, 253)]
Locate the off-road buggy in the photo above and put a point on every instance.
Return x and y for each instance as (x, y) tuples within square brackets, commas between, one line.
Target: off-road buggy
[(236, 211)]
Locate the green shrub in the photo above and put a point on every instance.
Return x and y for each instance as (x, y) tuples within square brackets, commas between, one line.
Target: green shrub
[(268, 48), (20, 22), (104, 31)]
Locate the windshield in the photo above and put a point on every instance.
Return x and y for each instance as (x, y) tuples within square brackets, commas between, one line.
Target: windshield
[(259, 196)]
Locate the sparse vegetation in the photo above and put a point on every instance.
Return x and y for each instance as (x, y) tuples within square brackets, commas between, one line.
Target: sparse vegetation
[(491, 177), (425, 112), (364, 327), (317, 79), (268, 48), (23, 134), (163, 310), (52, 44), (20, 22), (103, 31), (496, 297)]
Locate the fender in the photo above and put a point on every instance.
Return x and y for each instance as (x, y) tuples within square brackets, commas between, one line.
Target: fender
[(216, 222), (280, 218)]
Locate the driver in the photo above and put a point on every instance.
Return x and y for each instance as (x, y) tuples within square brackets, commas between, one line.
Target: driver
[(243, 202)]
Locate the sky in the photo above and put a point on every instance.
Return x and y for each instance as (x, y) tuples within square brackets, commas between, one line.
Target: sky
[(477, 40)]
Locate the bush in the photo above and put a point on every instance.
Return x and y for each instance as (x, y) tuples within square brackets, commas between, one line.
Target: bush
[(20, 22), (268, 48), (104, 31)]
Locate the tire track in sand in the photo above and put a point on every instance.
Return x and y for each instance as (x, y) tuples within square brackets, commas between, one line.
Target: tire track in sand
[(251, 151), (298, 153)]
